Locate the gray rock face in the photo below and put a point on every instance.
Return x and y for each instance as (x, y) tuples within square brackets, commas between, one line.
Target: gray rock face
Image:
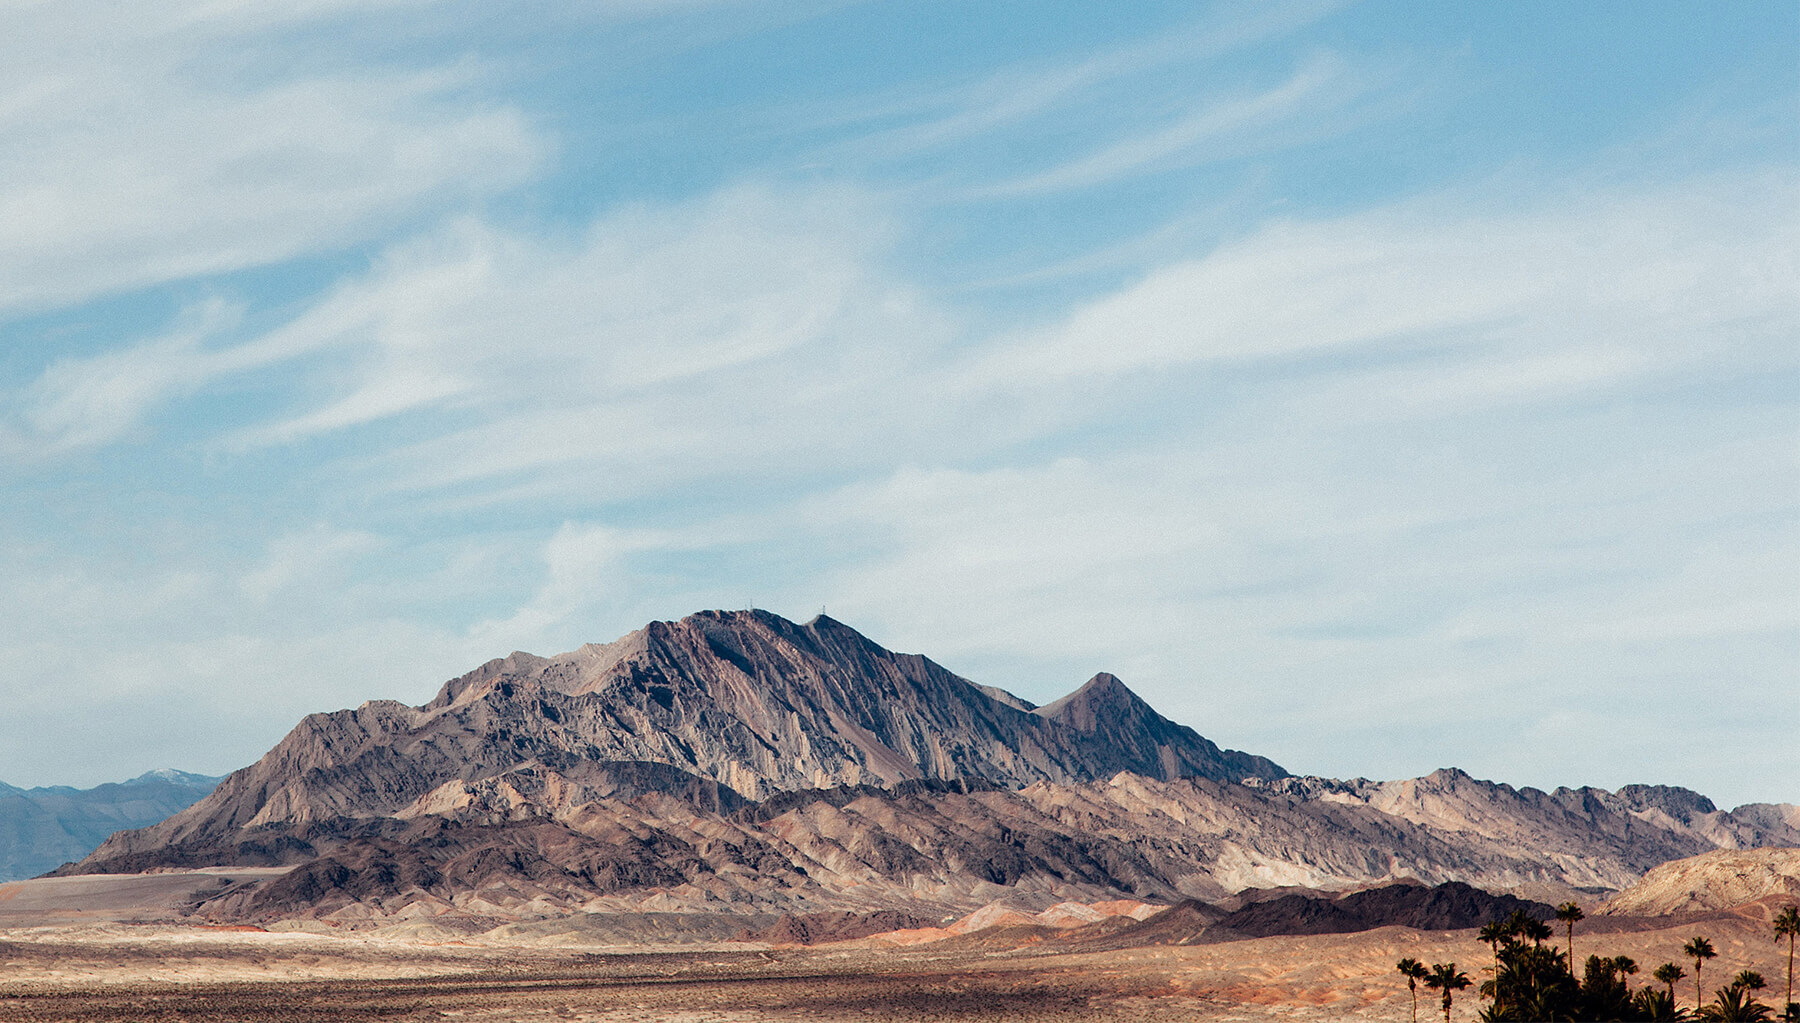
[(747, 702), (1144, 742), (740, 760), (1641, 825), (43, 828), (926, 847)]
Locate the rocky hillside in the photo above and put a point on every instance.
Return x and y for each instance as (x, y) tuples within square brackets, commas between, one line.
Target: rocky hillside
[(1446, 907), (1712, 881), (740, 762), (43, 828), (743, 704), (512, 846)]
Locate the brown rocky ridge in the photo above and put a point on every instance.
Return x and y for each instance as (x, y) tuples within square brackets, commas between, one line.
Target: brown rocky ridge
[(744, 766), (1720, 880)]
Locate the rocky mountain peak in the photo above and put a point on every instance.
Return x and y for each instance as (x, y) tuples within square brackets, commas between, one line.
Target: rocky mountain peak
[(1110, 714), (745, 701), (1100, 697), (1679, 803), (738, 758)]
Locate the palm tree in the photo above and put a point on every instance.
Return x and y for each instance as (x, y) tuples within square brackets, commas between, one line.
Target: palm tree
[(1604, 992), (1568, 913), (1651, 1004), (1787, 925), (1669, 973), (1494, 932), (1533, 982), (1699, 950), (1734, 1002), (1516, 924), (1443, 977), (1414, 971)]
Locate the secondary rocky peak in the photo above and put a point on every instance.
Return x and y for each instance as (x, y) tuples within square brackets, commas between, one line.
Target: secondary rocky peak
[(1679, 803), (1100, 697), (1107, 711)]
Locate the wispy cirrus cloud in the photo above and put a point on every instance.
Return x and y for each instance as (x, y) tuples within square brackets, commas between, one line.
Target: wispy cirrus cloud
[(1217, 128), (638, 339), (1584, 287), (611, 339), (144, 146), (910, 122), (96, 400), (569, 322)]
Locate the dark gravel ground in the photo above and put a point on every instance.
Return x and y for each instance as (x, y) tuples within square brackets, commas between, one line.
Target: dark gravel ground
[(698, 988)]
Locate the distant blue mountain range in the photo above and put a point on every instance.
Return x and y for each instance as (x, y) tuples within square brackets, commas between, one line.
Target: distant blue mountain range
[(43, 828)]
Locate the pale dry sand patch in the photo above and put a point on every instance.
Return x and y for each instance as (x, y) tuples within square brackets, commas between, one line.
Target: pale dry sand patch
[(112, 971)]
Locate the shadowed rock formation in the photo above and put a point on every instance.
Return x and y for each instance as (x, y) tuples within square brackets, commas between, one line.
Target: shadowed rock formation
[(1445, 907), (819, 928)]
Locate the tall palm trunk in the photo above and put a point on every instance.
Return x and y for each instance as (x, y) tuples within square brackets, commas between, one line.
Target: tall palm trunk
[(1790, 984), (1787, 925)]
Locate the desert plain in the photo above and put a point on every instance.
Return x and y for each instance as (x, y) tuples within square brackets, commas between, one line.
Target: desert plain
[(99, 948)]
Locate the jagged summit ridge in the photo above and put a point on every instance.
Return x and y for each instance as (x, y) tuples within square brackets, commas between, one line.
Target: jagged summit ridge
[(745, 701), (780, 706)]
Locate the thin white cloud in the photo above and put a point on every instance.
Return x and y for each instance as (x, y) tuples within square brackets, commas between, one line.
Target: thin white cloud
[(636, 335), (316, 555), (994, 102), (587, 572), (79, 403), (1218, 128), (641, 339), (139, 146), (1585, 289)]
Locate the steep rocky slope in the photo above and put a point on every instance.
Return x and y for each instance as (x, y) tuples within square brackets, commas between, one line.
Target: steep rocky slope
[(42, 828), (1722, 879), (740, 762), (927, 847), (743, 704)]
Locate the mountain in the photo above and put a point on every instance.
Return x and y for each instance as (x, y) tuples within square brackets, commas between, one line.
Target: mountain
[(508, 848), (736, 762), (42, 828), (740, 704)]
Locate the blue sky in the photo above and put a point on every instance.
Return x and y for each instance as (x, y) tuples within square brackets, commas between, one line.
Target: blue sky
[(1375, 387)]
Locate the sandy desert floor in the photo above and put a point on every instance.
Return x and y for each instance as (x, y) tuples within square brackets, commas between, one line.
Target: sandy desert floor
[(149, 972), (105, 948)]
